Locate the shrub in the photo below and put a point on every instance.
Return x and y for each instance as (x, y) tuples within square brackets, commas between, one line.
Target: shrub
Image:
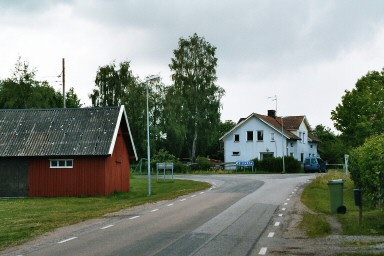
[(275, 164), (203, 164), (163, 156), (367, 168)]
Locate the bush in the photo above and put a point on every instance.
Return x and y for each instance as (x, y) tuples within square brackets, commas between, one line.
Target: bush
[(367, 168), (202, 163), (275, 164), (163, 156)]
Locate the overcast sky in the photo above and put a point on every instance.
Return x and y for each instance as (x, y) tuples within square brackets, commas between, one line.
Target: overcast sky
[(305, 52)]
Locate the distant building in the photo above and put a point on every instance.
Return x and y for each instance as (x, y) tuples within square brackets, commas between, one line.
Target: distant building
[(65, 152), (259, 136)]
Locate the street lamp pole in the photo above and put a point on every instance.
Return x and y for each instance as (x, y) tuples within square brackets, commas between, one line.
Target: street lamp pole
[(147, 80), (282, 141)]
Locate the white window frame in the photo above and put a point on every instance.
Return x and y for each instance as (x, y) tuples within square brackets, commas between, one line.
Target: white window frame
[(66, 165)]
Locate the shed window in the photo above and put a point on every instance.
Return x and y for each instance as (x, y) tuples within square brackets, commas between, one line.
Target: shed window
[(61, 163)]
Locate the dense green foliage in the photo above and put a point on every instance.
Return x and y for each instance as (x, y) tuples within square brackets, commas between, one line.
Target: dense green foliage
[(184, 116), (275, 164), (331, 148), (367, 168), (22, 91), (195, 96), (361, 112)]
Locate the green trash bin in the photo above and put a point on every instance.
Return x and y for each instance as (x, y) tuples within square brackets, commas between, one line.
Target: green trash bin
[(336, 194)]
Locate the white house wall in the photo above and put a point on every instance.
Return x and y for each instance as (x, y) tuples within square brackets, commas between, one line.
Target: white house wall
[(251, 149)]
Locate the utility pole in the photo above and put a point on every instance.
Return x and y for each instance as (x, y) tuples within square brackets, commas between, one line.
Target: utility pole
[(64, 82)]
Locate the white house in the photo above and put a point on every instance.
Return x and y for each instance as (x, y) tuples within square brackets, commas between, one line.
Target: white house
[(258, 136)]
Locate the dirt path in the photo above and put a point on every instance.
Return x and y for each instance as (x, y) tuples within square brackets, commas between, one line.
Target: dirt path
[(291, 240)]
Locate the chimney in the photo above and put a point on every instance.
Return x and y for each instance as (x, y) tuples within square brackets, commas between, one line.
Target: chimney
[(272, 113)]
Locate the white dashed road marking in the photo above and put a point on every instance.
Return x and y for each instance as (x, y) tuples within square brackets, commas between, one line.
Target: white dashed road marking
[(271, 234), (263, 251), (107, 227), (170, 204), (277, 224), (134, 217), (182, 200), (67, 240)]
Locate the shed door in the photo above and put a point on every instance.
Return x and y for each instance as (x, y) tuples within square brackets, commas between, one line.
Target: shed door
[(14, 180)]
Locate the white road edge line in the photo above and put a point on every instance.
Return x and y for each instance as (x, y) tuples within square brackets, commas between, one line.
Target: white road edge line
[(271, 234), (67, 240), (134, 217), (263, 251)]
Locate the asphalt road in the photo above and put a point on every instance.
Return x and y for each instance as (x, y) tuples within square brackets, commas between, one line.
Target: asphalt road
[(228, 219)]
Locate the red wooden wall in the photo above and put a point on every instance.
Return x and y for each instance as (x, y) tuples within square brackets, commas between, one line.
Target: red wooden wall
[(89, 176)]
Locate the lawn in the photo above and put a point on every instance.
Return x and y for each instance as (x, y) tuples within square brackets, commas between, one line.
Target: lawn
[(316, 197), (24, 219)]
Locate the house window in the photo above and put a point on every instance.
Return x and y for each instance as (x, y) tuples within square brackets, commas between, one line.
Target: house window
[(249, 135), (260, 136), (272, 136), (264, 155), (235, 153), (237, 137), (303, 137), (61, 163)]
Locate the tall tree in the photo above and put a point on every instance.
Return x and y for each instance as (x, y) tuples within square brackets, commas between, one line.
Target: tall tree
[(194, 97), (361, 112), (331, 148), (116, 85), (111, 84), (22, 90)]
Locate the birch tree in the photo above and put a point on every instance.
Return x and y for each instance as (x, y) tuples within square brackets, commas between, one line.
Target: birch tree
[(194, 98)]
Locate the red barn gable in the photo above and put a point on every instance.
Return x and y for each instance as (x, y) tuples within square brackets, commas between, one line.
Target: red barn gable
[(65, 152)]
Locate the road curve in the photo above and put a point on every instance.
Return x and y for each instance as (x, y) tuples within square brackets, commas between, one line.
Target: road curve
[(228, 219)]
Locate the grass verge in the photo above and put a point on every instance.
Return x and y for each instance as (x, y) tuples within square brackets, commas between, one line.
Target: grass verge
[(24, 219), (316, 196)]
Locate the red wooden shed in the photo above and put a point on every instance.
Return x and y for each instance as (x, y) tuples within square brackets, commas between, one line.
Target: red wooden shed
[(65, 152)]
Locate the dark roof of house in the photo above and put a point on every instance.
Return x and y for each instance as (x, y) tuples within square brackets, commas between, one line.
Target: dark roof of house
[(289, 123), (62, 132)]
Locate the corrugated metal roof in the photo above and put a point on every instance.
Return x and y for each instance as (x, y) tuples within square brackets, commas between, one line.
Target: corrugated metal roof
[(58, 132)]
